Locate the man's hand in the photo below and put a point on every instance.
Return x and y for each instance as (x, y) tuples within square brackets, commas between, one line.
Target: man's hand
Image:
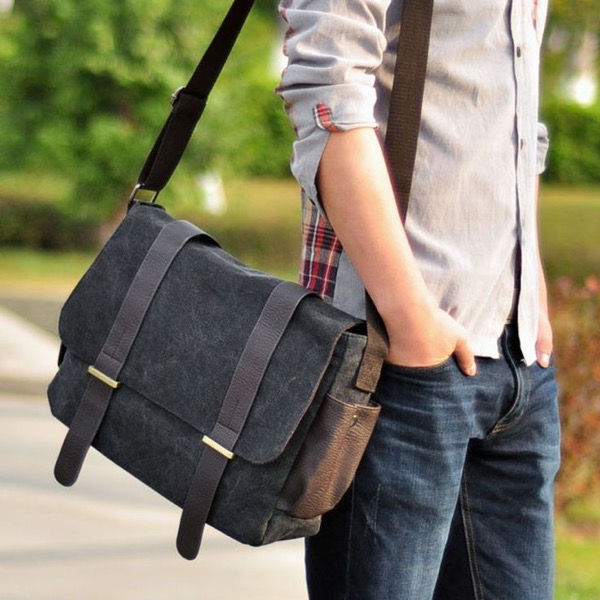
[(543, 346), (431, 343)]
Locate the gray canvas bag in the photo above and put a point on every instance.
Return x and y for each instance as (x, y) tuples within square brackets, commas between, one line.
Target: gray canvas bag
[(243, 399)]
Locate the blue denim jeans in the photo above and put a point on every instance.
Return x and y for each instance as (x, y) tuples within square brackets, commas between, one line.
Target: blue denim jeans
[(454, 497)]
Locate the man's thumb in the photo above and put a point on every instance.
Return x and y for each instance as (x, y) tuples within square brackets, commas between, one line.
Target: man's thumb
[(465, 358)]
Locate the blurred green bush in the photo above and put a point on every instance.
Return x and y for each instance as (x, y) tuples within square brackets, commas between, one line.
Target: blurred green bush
[(44, 225), (574, 156)]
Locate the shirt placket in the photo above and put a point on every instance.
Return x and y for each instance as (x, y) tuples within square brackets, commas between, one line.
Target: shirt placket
[(525, 96)]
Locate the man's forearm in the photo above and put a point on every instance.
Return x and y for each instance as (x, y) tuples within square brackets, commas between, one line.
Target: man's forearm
[(358, 197), (359, 200)]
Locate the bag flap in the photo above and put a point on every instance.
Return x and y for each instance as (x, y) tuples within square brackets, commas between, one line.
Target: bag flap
[(195, 331)]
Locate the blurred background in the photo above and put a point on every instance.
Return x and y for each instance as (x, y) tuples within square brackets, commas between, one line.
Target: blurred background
[(84, 89)]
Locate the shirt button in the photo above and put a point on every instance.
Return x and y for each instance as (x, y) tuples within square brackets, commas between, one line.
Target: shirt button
[(519, 52), (521, 143)]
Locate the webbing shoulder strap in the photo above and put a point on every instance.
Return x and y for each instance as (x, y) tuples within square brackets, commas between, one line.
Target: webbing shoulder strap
[(404, 118), (403, 125), (188, 104)]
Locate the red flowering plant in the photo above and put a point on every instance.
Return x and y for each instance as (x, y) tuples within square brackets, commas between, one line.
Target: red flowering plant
[(576, 321)]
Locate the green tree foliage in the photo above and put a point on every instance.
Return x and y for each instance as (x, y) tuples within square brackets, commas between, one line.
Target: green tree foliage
[(575, 15), (88, 86), (568, 21)]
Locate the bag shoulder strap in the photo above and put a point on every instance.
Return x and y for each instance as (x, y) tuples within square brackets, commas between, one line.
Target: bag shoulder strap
[(188, 104), (404, 117), (403, 125)]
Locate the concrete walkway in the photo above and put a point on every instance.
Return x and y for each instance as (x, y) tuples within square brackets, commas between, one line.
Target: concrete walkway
[(109, 537), (27, 355)]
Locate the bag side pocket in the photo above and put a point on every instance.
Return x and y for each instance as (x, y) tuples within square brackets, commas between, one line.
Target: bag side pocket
[(328, 459)]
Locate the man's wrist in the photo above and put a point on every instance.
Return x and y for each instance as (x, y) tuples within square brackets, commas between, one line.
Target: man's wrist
[(404, 317)]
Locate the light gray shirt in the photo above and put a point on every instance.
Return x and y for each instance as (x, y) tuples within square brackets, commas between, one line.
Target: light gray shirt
[(473, 199)]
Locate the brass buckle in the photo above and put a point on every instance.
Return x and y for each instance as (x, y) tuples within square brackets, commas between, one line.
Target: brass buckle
[(112, 383), (140, 194), (218, 448)]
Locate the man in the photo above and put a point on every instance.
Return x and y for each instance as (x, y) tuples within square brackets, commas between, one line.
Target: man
[(453, 499)]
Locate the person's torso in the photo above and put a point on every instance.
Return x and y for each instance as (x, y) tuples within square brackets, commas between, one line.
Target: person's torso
[(473, 194)]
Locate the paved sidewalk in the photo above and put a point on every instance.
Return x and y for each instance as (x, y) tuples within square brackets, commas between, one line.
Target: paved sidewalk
[(27, 355), (109, 537)]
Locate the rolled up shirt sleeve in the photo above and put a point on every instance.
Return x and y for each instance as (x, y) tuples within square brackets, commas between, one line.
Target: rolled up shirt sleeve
[(334, 48), (543, 143)]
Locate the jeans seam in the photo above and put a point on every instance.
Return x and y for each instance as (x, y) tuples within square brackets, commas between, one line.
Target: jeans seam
[(470, 539), (514, 369), (349, 550), (527, 398)]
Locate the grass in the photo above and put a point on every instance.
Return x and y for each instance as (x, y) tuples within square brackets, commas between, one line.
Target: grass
[(578, 572), (578, 552), (46, 187), (570, 231), (44, 273), (261, 226)]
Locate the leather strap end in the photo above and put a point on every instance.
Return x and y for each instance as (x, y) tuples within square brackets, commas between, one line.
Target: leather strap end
[(198, 502), (82, 431), (189, 538), (70, 459)]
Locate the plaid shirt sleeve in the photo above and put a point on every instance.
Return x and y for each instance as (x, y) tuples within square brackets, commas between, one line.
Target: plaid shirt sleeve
[(321, 251)]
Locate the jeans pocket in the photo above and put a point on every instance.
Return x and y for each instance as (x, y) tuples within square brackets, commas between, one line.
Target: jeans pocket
[(401, 370)]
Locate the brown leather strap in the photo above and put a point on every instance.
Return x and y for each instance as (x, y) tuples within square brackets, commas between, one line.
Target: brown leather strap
[(189, 102), (240, 396), (114, 353), (375, 350)]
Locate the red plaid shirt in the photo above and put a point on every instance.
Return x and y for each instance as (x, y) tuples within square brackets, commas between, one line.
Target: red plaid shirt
[(321, 251)]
